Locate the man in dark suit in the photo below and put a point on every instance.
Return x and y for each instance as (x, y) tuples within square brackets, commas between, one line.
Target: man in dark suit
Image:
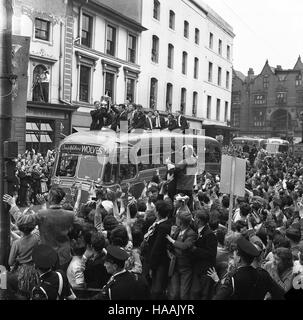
[(139, 118), (156, 253), (204, 257), (149, 122), (159, 121), (171, 122), (181, 121), (54, 224), (98, 116)]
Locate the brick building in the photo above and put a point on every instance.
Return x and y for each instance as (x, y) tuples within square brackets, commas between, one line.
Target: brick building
[(268, 104)]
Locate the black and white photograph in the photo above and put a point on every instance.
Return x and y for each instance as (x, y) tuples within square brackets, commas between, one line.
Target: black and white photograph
[(151, 153)]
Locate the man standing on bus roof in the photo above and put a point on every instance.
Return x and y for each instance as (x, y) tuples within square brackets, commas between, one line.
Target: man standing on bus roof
[(186, 171)]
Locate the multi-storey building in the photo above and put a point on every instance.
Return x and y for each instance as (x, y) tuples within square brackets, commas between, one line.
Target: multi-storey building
[(268, 104), (41, 108), (106, 54), (186, 63)]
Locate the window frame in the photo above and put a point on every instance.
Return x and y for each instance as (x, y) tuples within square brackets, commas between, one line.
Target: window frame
[(157, 49), (156, 93), (170, 56), (210, 71), (226, 111), (186, 29), (211, 40), (218, 109), (228, 51), (184, 62), (156, 9), (169, 98), (129, 35), (172, 20), (227, 80), (220, 47), (91, 31), (195, 103), (208, 106), (113, 26), (49, 24), (196, 68), (183, 100), (219, 82), (197, 36), (89, 84)]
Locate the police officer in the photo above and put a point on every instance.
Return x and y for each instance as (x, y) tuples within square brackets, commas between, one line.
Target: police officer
[(123, 285), (247, 282), (52, 285)]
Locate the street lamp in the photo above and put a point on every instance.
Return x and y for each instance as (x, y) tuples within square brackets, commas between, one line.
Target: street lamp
[(301, 121)]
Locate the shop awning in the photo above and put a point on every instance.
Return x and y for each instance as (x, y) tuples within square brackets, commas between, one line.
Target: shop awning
[(31, 137), (45, 127), (31, 126), (45, 138), (80, 129)]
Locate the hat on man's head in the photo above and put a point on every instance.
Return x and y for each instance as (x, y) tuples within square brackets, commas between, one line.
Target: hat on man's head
[(28, 220), (116, 254), (44, 256), (247, 247)]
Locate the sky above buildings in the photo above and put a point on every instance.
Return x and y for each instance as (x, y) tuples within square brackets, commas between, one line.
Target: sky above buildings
[(265, 29)]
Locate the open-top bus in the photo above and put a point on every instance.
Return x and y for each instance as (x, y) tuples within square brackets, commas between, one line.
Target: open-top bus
[(110, 160), (240, 141), (276, 145)]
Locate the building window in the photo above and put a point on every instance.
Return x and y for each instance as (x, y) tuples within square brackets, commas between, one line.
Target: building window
[(208, 110), (132, 48), (281, 97), (195, 103), (156, 13), (258, 118), (169, 97), (220, 47), (259, 99), (219, 75), (153, 93), (227, 79), (218, 109), (299, 80), (211, 40), (184, 62), (183, 101), (235, 118), (170, 59), (210, 72), (265, 81), (130, 89), (226, 111), (236, 98), (197, 36), (111, 40), (109, 88), (196, 68), (228, 52), (84, 88), (41, 78), (186, 29), (87, 27), (155, 49), (172, 20), (42, 29)]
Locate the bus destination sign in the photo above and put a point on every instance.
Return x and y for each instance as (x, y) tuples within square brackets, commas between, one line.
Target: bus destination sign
[(85, 149)]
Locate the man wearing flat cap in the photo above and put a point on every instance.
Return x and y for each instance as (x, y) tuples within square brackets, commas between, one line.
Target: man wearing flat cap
[(123, 285), (246, 282)]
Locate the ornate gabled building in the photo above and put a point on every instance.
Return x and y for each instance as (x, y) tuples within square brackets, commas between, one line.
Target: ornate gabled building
[(268, 104)]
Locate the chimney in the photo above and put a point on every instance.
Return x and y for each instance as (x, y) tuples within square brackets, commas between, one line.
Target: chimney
[(250, 73)]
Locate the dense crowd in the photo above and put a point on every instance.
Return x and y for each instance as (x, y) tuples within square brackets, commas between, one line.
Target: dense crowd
[(111, 116), (32, 176), (171, 243)]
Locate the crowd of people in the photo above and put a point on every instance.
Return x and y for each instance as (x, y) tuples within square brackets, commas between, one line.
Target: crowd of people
[(111, 116), (171, 243), (32, 176)]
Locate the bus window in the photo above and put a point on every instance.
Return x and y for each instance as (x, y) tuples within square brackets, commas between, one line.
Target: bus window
[(127, 171), (90, 168), (67, 165), (283, 148)]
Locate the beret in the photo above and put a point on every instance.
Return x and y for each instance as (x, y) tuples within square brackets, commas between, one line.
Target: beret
[(247, 247), (115, 253)]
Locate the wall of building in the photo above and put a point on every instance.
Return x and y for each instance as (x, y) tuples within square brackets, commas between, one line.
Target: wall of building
[(197, 18)]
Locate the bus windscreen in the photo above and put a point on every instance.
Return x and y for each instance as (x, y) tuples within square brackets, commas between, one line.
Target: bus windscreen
[(90, 168)]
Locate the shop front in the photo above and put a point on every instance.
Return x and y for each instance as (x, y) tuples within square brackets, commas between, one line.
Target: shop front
[(46, 125)]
